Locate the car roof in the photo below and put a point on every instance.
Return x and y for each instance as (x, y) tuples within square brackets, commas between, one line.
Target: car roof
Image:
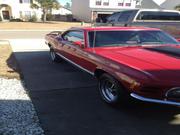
[(145, 9), (108, 28)]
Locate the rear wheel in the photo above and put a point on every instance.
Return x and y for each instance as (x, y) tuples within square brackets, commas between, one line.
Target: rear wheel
[(110, 90), (54, 56)]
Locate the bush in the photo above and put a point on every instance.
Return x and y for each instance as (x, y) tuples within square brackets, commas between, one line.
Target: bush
[(33, 19), (49, 17), (0, 18), (16, 20)]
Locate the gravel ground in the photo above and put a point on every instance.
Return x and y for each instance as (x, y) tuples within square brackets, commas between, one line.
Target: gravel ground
[(17, 114)]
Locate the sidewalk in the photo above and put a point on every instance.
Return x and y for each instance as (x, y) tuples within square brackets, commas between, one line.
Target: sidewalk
[(39, 25), (28, 45)]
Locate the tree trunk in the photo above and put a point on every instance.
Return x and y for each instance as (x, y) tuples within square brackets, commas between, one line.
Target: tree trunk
[(44, 15)]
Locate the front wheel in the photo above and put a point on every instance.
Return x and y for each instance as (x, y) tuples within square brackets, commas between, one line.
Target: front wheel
[(110, 90), (54, 56)]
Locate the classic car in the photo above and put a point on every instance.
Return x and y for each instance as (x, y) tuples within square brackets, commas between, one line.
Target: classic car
[(138, 62)]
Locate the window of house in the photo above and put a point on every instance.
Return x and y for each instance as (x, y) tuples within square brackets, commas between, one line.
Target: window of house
[(121, 3), (98, 2), (106, 2), (128, 3), (24, 1), (27, 14), (20, 14)]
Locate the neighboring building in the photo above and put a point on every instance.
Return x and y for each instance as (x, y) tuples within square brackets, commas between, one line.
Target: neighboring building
[(89, 10), (170, 4), (149, 4), (13, 9), (61, 11), (161, 4), (62, 14)]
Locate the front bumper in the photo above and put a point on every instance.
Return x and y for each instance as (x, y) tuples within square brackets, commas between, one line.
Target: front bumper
[(154, 100)]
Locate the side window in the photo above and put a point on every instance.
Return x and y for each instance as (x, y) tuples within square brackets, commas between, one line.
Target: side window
[(124, 17), (73, 36)]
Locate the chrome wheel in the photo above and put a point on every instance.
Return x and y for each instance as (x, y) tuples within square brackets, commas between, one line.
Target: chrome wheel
[(109, 91), (53, 55)]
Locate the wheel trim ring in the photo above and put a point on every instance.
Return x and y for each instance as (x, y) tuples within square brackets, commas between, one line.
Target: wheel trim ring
[(52, 55), (107, 93)]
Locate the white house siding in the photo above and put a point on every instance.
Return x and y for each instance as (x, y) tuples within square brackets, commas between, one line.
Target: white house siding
[(86, 10), (19, 10), (81, 10)]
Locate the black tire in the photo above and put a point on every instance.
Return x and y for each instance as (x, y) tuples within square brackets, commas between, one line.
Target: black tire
[(54, 56), (111, 91)]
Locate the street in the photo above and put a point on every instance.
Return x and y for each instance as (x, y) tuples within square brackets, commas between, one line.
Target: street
[(67, 100)]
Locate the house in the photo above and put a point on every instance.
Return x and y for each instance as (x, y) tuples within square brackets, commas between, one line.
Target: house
[(89, 10), (61, 11), (161, 4), (13, 9), (62, 14), (149, 4), (169, 4)]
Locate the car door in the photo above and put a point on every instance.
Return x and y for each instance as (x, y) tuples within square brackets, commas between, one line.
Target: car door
[(69, 48), (75, 53)]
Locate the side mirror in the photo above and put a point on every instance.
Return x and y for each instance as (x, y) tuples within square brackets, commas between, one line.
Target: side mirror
[(178, 40), (79, 43)]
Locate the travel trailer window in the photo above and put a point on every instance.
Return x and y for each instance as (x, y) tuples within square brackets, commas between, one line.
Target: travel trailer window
[(153, 15)]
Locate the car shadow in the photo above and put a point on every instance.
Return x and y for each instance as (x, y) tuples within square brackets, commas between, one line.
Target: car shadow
[(67, 102)]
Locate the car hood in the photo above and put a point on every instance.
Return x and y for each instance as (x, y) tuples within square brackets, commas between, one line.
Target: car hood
[(161, 62)]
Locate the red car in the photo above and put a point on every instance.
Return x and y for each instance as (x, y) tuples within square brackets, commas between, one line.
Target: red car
[(138, 62)]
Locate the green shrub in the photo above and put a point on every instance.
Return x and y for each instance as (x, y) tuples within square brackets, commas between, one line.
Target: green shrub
[(33, 19), (49, 17), (0, 18), (16, 20)]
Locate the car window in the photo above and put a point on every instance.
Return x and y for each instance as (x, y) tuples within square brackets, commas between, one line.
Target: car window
[(73, 36), (124, 17), (152, 15), (124, 38)]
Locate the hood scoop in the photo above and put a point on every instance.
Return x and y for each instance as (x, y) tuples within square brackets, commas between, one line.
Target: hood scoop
[(166, 50)]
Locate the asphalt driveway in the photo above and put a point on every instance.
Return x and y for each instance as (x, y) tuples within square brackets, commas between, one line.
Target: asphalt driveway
[(67, 102)]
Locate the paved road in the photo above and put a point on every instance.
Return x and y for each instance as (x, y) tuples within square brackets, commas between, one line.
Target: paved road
[(67, 102)]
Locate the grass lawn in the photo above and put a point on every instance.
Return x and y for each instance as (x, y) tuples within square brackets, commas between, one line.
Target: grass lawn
[(8, 66), (38, 25)]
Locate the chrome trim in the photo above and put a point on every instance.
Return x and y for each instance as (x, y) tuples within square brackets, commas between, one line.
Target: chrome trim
[(75, 64), (171, 90), (154, 100)]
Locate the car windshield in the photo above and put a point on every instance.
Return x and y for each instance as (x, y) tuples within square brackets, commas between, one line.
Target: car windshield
[(129, 38)]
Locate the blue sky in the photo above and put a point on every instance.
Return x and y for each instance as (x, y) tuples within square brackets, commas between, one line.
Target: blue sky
[(63, 2)]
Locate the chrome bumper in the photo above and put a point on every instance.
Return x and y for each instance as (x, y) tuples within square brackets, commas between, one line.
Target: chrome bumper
[(154, 100)]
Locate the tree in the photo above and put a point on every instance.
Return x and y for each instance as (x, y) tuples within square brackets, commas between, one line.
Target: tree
[(177, 7), (67, 5), (46, 6)]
